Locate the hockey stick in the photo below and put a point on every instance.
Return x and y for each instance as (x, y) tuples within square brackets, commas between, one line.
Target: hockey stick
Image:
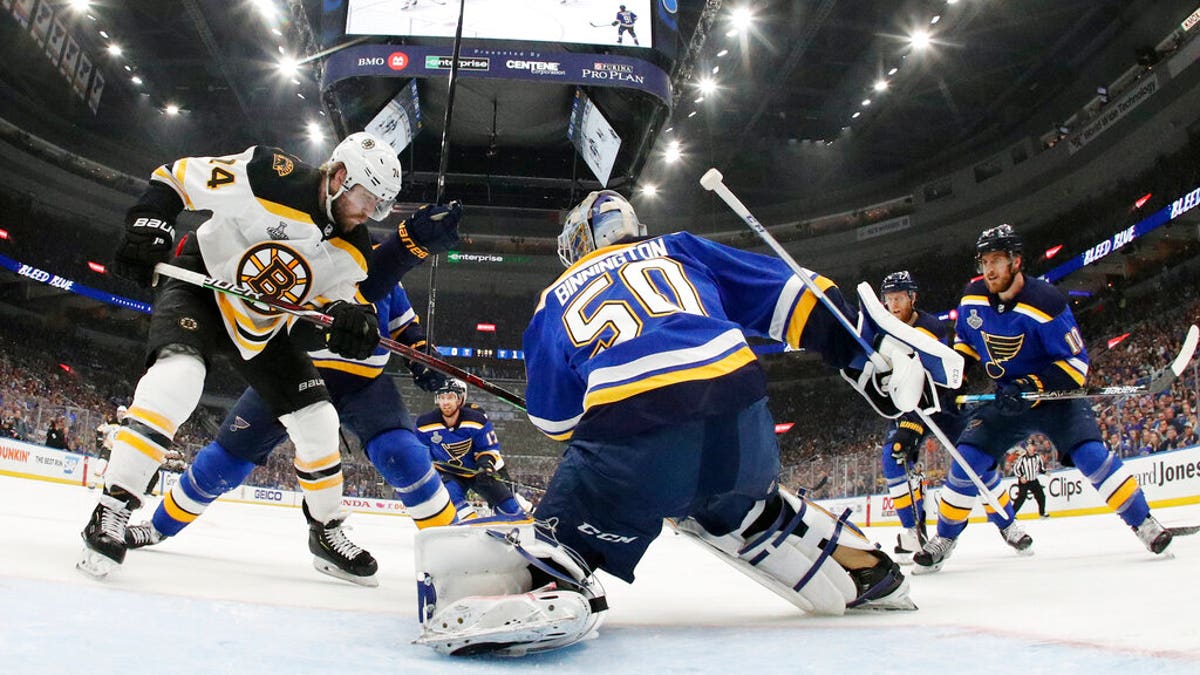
[(1156, 386), (463, 472), (443, 163), (711, 181), (918, 517), (598, 25), (313, 316)]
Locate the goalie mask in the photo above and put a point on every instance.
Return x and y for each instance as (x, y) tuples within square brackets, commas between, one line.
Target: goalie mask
[(603, 218), (371, 163)]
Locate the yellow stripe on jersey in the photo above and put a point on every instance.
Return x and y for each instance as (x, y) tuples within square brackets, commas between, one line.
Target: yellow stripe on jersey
[(431, 427), (1034, 312), (706, 372), (175, 511), (362, 370), (1072, 372), (804, 308), (164, 176), (285, 211), (927, 332), (181, 180), (232, 316), (319, 463), (966, 349), (467, 424), (974, 300), (354, 254), (142, 445), (152, 419)]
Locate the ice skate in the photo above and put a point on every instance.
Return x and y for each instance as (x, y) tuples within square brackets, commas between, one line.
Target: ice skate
[(1014, 535), (1156, 537), (140, 536), (334, 554), (881, 588), (930, 558), (104, 536), (907, 542)]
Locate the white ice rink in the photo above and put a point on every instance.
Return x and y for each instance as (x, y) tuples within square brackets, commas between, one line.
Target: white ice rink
[(236, 593)]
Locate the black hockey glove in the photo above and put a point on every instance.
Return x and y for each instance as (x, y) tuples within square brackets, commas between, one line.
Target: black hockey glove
[(354, 333), (425, 377), (147, 242), (431, 229), (1009, 395), (906, 441), (487, 465)]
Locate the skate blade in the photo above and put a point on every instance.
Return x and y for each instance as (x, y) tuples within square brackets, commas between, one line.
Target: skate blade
[(326, 567), (903, 559), (95, 564), (919, 570), (1025, 552)]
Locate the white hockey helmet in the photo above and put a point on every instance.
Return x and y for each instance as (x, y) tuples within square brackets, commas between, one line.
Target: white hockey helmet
[(372, 163), (601, 219)]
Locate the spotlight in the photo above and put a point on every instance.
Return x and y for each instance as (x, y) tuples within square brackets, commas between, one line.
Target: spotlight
[(881, 85), (919, 39)]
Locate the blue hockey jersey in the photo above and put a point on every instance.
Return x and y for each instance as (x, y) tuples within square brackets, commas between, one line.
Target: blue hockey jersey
[(645, 334), (932, 326), (1034, 335), (464, 443)]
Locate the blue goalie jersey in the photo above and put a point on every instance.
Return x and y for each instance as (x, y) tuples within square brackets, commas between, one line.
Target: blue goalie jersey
[(645, 334), (1033, 335), (462, 444)]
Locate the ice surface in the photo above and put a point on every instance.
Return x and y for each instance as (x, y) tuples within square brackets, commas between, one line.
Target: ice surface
[(236, 592)]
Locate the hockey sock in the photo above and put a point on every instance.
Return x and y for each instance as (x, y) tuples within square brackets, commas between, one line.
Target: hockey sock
[(403, 461), (213, 472), (314, 431), (897, 482), (1001, 520), (959, 493), (165, 397), (1112, 479)]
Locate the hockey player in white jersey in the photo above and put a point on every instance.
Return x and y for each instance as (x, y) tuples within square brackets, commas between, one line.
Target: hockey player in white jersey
[(287, 230), (637, 357)]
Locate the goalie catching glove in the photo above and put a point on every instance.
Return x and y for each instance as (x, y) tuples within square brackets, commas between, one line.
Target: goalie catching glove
[(502, 587)]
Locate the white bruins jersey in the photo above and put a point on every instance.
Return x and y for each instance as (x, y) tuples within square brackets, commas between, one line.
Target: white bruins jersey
[(267, 232)]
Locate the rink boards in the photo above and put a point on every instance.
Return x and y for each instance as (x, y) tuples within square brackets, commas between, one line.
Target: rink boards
[(1168, 479)]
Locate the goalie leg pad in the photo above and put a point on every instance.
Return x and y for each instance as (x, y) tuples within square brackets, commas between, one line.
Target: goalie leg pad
[(502, 588), (786, 544)]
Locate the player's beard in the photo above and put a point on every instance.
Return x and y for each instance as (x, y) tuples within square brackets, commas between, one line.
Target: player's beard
[(1003, 282)]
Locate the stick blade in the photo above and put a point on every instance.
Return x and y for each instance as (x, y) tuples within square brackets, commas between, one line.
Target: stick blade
[(1185, 354), (711, 179)]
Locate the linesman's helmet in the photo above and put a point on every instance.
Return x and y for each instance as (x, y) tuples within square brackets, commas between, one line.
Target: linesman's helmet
[(897, 282), (373, 164), (453, 386), (999, 238), (603, 218)]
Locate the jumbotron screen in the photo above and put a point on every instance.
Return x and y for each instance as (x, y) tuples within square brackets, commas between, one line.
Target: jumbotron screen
[(593, 22)]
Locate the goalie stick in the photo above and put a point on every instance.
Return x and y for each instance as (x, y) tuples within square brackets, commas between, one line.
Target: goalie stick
[(313, 316), (1156, 386), (712, 181)]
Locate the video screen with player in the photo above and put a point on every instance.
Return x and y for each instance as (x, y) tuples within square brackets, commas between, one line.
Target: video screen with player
[(593, 137), (400, 120), (627, 23)]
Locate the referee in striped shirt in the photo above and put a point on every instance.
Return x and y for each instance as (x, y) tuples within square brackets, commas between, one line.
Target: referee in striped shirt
[(1026, 468)]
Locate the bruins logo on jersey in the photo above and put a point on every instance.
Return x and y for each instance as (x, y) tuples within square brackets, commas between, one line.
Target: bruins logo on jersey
[(277, 272), (458, 449), (1001, 348), (282, 164)]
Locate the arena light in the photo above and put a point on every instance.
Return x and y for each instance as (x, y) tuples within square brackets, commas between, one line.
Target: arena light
[(3, 234), (315, 134), (880, 85), (673, 152), (936, 18), (856, 115), (266, 8), (741, 18), (707, 86), (288, 66), (171, 109), (1053, 251), (65, 367), (115, 49), (894, 70), (80, 5), (784, 427), (485, 327), (866, 102), (1113, 342), (920, 40), (97, 267), (1142, 200), (721, 53), (649, 190), (136, 80)]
